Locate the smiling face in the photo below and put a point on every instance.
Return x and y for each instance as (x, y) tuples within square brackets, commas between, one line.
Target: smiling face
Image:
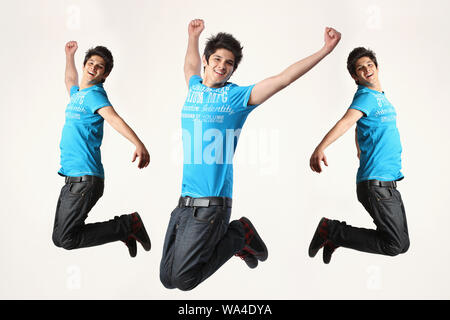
[(366, 73), (219, 68), (94, 70)]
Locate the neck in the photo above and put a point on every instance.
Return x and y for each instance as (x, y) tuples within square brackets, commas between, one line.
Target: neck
[(209, 84), (376, 86), (86, 84)]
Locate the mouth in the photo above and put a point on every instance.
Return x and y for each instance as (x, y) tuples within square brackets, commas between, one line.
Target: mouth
[(91, 74), (219, 73)]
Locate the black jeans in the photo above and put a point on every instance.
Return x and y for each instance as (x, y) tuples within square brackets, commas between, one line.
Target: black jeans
[(74, 203), (385, 206), (198, 242)]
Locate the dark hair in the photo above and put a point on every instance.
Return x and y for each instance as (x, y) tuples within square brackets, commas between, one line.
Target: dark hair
[(356, 54), (102, 52), (224, 41)]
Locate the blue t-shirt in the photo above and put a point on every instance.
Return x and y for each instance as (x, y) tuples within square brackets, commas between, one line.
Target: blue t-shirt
[(378, 137), (211, 119), (83, 132)]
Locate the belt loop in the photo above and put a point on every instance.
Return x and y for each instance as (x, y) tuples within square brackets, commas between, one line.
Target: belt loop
[(224, 204), (188, 201)]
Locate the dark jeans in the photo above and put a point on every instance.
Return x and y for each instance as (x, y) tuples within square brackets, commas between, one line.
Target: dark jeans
[(198, 242), (385, 206), (74, 203)]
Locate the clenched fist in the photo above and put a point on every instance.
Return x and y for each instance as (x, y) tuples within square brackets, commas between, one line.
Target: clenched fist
[(196, 27), (71, 47), (332, 38)]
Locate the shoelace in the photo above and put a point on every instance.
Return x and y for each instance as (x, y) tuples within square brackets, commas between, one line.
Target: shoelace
[(136, 225), (323, 229), (248, 233)]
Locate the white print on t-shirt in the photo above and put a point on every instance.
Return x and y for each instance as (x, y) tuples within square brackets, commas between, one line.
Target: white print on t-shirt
[(76, 102), (386, 113), (209, 97)]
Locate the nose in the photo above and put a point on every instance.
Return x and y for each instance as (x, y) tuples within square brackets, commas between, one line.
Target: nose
[(222, 65), (366, 71)]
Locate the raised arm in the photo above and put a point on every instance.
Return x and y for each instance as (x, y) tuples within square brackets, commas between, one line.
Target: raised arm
[(346, 122), (192, 61), (265, 89), (111, 116), (71, 74)]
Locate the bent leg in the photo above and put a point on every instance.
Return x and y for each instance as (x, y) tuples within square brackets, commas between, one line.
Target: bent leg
[(74, 204), (386, 208), (204, 242), (165, 268)]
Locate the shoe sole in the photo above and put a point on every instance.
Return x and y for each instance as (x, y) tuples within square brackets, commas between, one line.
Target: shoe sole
[(327, 253), (148, 246), (265, 253), (312, 252), (132, 250)]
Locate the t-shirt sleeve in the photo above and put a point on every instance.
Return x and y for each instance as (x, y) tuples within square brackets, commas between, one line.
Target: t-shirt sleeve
[(74, 89), (364, 102), (96, 99), (195, 79), (239, 97)]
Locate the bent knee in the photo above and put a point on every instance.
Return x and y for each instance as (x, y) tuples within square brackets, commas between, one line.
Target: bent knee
[(185, 282), (164, 277), (394, 249), (405, 245), (56, 241), (66, 243)]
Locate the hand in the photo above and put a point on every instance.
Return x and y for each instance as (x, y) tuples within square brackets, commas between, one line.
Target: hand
[(317, 156), (71, 47), (332, 38), (196, 27), (143, 155)]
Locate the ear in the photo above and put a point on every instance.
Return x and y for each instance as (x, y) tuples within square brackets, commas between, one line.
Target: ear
[(355, 78), (204, 60), (105, 75)]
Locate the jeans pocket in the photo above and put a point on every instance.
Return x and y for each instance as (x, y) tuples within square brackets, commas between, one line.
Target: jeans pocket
[(204, 215), (79, 188), (382, 193)]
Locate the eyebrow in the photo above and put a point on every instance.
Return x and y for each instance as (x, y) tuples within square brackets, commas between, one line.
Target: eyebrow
[(101, 64), (362, 65)]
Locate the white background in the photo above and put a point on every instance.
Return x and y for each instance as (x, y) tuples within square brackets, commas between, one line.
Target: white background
[(274, 185)]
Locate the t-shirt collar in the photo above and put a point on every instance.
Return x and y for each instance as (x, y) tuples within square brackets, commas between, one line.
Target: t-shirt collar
[(364, 88)]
